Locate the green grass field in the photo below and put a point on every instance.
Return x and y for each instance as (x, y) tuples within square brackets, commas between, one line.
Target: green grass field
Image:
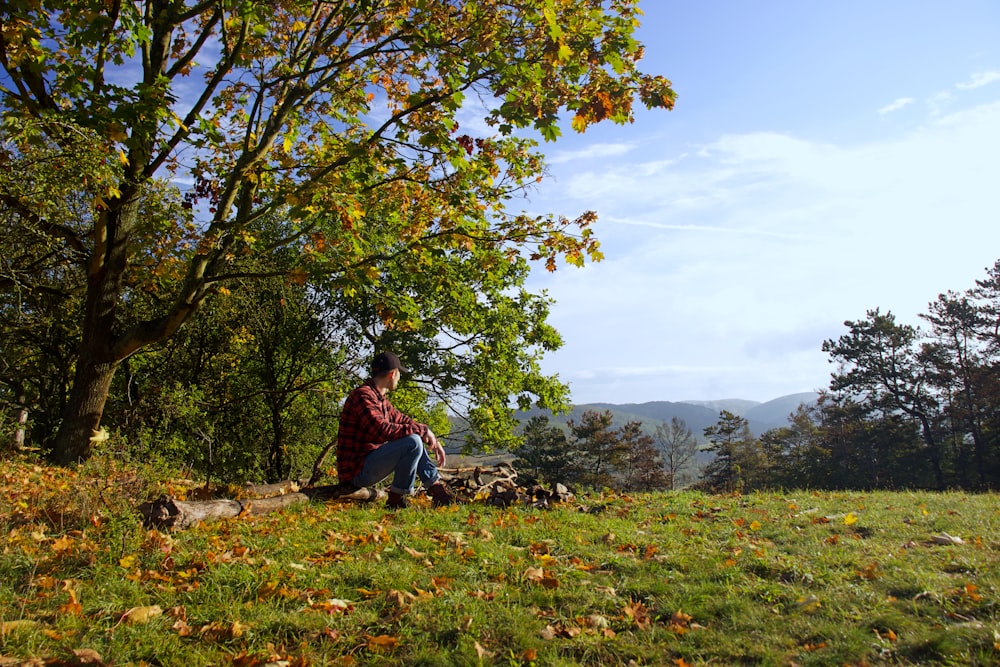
[(794, 578)]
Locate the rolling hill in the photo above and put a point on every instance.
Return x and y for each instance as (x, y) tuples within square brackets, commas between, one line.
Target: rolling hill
[(696, 414)]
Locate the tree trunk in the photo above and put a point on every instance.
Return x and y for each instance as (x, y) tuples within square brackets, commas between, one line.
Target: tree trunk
[(82, 417), (99, 353), (22, 423)]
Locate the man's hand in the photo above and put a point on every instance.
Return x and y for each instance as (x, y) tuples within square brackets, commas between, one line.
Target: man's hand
[(432, 443)]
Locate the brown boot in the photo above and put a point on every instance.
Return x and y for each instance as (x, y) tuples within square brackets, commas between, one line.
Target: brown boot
[(396, 501), (440, 495)]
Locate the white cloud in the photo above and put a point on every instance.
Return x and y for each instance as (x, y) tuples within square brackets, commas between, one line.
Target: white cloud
[(896, 105), (731, 265), (979, 79)]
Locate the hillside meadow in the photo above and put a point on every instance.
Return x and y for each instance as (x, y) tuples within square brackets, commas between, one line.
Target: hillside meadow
[(681, 578)]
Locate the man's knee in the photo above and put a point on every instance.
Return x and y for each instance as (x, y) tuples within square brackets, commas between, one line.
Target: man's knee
[(414, 445)]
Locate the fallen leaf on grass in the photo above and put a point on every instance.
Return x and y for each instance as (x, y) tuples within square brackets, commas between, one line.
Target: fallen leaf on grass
[(140, 615), (551, 632), (808, 604), (182, 628), (887, 634), (538, 576), (380, 643), (639, 614), (218, 631), (482, 652), (482, 595), (13, 626), (400, 599), (947, 540), (333, 606), (809, 647), (680, 622), (87, 656), (415, 553)]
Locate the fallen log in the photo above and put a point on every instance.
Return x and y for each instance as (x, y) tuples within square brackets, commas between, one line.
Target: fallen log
[(169, 512), (495, 486)]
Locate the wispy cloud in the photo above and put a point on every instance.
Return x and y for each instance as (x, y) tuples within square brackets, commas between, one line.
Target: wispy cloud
[(895, 105), (979, 79), (589, 153), (710, 229), (790, 237)]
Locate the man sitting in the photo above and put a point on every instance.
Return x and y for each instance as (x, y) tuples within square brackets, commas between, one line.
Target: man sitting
[(376, 440)]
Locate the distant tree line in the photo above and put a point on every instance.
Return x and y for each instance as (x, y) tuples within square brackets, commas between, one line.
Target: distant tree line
[(593, 453), (907, 407)]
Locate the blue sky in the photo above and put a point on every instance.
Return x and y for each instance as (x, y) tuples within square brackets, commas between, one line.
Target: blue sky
[(823, 159)]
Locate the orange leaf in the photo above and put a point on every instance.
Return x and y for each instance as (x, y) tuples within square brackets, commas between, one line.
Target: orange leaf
[(680, 618), (638, 613), (64, 543), (381, 642)]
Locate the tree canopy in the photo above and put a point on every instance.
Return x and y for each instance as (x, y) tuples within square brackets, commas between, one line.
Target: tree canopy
[(382, 143)]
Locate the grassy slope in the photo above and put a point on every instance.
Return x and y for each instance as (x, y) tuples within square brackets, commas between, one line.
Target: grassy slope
[(795, 578)]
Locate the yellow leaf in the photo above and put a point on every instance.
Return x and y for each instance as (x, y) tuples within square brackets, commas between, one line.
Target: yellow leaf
[(122, 157), (128, 562), (64, 543), (809, 604), (238, 629), (141, 615), (298, 26), (117, 133), (850, 519), (13, 626)]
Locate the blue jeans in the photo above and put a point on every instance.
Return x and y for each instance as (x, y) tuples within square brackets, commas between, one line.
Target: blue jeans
[(405, 458)]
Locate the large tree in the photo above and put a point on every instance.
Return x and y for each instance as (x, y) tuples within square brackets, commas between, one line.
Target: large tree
[(339, 116), (879, 361), (544, 453), (678, 448), (737, 466), (598, 449)]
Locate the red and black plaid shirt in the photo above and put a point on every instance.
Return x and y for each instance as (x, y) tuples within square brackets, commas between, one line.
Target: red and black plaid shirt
[(367, 422)]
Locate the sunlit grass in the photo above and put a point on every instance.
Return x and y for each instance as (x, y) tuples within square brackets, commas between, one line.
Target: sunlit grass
[(796, 578)]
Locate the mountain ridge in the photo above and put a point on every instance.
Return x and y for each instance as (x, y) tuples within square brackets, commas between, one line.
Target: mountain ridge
[(696, 414)]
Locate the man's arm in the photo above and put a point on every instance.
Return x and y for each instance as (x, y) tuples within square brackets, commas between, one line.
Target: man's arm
[(434, 445)]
